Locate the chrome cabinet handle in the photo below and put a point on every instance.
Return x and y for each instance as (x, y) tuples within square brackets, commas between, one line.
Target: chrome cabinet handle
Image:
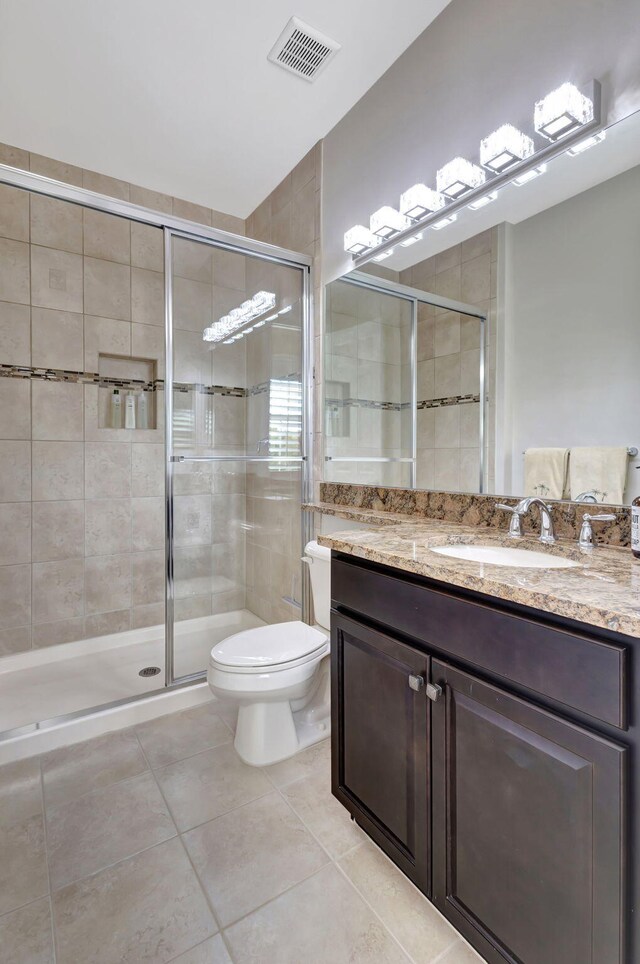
[(416, 682), (434, 692)]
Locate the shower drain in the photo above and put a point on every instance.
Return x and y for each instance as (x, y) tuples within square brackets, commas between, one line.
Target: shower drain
[(149, 671)]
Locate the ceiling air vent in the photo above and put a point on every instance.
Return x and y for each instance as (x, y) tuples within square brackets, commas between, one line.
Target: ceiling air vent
[(303, 50)]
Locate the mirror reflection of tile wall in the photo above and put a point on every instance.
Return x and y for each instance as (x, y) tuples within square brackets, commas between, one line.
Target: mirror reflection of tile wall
[(368, 371)]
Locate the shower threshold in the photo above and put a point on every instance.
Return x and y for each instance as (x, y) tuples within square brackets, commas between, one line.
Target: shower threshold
[(59, 681)]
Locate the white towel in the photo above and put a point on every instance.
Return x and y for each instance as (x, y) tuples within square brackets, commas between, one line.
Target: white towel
[(601, 470), (545, 472)]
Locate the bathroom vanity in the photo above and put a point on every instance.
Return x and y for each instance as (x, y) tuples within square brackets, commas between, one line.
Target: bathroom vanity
[(486, 739)]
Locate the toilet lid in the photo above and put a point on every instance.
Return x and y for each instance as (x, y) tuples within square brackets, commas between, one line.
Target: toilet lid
[(269, 645)]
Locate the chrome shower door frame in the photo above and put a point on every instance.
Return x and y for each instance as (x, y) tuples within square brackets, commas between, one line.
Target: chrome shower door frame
[(278, 256)]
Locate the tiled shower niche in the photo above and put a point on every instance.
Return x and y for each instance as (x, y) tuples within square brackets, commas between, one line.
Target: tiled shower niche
[(128, 376)]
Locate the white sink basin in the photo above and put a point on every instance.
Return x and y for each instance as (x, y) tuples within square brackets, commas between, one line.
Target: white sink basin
[(506, 556)]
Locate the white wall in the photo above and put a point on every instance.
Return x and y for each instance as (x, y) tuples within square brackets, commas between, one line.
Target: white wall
[(475, 67), (572, 326)]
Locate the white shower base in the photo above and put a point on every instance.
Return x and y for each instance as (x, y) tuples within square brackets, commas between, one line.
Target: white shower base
[(49, 683)]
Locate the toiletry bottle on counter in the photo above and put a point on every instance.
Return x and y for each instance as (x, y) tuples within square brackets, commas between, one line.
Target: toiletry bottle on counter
[(635, 527), (130, 411), (115, 419)]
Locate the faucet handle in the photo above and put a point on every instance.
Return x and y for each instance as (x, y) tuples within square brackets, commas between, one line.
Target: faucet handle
[(515, 526), (586, 530)]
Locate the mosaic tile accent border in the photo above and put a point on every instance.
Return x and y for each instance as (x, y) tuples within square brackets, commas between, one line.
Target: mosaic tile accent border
[(108, 381), (402, 406), (474, 509)]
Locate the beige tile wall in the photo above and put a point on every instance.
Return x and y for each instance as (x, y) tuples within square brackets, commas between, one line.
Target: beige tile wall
[(448, 363), (82, 507), (290, 218)]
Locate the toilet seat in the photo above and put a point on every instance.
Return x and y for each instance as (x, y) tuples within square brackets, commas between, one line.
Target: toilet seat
[(269, 649)]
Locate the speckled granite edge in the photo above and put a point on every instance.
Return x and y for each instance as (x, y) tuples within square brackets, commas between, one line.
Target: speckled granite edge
[(474, 510), (603, 591)]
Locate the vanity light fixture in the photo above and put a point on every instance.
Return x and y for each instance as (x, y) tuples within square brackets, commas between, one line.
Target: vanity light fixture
[(419, 201), (505, 147), (483, 201), (383, 255), (529, 175), (439, 225), (285, 311), (459, 176), (562, 111), (386, 221), (259, 324), (585, 144), (358, 239), (226, 326), (412, 240)]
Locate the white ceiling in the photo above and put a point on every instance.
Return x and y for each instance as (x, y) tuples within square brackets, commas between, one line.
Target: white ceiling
[(178, 96)]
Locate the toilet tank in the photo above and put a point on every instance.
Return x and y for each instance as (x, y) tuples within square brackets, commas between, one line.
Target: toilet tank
[(319, 561)]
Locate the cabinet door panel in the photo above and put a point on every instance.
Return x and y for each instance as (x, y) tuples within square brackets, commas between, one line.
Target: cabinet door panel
[(380, 741), (528, 829)]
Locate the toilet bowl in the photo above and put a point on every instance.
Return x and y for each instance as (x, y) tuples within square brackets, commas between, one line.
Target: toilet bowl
[(279, 675)]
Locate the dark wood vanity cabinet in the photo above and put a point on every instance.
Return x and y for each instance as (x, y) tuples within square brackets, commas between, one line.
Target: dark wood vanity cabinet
[(382, 766), (509, 814)]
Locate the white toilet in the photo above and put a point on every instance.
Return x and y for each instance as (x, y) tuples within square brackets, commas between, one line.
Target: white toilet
[(280, 677)]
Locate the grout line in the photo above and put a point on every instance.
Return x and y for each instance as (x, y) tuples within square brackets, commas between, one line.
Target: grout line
[(46, 854)]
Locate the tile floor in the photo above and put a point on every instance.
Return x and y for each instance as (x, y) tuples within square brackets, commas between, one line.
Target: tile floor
[(157, 844)]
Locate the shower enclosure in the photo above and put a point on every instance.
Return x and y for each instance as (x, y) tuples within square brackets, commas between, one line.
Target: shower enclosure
[(151, 470)]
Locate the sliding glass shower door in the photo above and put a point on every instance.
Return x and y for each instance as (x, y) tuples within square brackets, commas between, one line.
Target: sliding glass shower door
[(235, 444)]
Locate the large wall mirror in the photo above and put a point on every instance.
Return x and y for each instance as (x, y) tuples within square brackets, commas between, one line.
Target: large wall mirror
[(500, 354)]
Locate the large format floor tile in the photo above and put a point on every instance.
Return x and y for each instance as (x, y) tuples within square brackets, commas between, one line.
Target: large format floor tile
[(106, 826), (26, 936), (212, 951), (74, 770), (149, 908), (420, 929), (20, 791), (317, 757), (311, 798), (23, 864), (321, 920), (209, 784), (251, 855), (179, 735)]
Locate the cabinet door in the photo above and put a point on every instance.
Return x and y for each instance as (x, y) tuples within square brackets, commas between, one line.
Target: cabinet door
[(528, 828), (381, 741)]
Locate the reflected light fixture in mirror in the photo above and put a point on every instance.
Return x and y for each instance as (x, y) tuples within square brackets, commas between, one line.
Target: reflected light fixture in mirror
[(483, 201), (588, 142), (530, 175), (458, 177), (504, 148), (562, 111), (443, 222)]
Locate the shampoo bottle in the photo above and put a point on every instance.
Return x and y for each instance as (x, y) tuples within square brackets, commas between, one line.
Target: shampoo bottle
[(635, 527), (142, 410), (116, 409), (130, 411)]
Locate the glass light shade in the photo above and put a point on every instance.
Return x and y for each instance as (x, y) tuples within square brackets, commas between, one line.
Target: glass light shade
[(530, 175), (383, 255), (483, 201), (439, 225), (223, 330), (420, 200), (386, 222), (358, 239), (585, 144), (459, 176), (562, 111), (412, 240), (505, 147)]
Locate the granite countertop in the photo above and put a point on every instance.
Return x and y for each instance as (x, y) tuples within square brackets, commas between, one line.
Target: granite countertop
[(603, 591)]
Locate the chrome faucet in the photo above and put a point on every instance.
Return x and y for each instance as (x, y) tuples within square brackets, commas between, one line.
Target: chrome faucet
[(518, 511), (586, 497), (586, 530)]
